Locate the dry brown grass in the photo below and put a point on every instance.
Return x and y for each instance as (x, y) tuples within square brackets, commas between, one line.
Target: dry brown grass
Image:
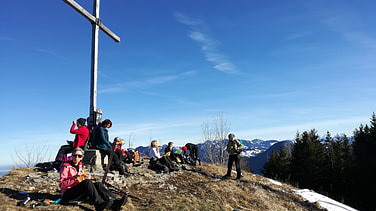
[(182, 190)]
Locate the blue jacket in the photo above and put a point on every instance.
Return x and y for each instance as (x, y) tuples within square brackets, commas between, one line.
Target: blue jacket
[(101, 140)]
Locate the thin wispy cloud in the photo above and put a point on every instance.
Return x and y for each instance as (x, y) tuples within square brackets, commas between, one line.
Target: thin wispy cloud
[(6, 38), (339, 24), (362, 39), (49, 53), (177, 100), (283, 94), (299, 35), (145, 83), (209, 46), (141, 132)]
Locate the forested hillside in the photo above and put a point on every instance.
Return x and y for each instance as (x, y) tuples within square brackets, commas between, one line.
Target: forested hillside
[(342, 170)]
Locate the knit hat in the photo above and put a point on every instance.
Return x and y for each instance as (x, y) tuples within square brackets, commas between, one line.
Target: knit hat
[(185, 148), (81, 121)]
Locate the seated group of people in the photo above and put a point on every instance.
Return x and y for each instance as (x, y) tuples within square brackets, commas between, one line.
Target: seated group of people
[(75, 183), (117, 155), (168, 162), (159, 163)]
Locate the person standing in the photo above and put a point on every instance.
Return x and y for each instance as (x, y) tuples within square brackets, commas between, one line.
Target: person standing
[(76, 184), (81, 136), (101, 142), (234, 148)]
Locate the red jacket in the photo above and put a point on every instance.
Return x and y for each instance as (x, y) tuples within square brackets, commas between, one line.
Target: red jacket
[(82, 133), (123, 151), (67, 173)]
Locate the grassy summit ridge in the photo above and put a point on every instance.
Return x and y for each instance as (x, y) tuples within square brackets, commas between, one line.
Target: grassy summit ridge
[(196, 188)]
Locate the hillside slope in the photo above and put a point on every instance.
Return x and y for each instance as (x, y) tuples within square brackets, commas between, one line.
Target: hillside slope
[(195, 188), (257, 162)]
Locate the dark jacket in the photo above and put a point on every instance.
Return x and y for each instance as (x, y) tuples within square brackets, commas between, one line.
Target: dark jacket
[(101, 140), (234, 147)]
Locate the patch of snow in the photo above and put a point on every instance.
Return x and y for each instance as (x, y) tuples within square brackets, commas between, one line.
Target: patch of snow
[(325, 202), (274, 182)]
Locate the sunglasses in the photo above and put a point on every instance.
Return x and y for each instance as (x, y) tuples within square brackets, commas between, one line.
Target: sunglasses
[(80, 156)]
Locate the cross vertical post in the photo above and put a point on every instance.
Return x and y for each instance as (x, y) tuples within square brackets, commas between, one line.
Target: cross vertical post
[(94, 67), (95, 115)]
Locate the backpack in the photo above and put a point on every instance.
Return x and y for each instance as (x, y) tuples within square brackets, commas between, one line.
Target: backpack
[(48, 166), (157, 166)]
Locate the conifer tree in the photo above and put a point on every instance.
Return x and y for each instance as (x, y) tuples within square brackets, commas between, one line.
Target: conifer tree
[(364, 166), (329, 163), (342, 168), (307, 160), (279, 165), (271, 167), (336, 168)]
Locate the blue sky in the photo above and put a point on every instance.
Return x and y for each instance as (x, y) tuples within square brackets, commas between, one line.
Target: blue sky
[(270, 68)]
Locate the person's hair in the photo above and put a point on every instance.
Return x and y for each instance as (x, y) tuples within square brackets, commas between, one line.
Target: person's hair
[(119, 140), (78, 149), (81, 121), (106, 122), (154, 143), (170, 143)]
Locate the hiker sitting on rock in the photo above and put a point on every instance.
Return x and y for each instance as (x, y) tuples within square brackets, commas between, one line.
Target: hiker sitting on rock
[(101, 142), (170, 153), (160, 163), (123, 154), (82, 134), (76, 184)]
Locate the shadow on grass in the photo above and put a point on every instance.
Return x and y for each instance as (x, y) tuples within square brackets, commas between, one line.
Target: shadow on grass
[(40, 197), (33, 195)]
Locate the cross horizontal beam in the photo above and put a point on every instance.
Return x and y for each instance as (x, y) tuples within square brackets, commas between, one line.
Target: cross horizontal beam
[(92, 19)]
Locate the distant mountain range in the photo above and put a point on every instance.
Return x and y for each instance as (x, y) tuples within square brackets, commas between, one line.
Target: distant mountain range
[(256, 163)]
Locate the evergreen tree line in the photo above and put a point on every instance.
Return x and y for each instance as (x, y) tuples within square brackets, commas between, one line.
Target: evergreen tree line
[(335, 167)]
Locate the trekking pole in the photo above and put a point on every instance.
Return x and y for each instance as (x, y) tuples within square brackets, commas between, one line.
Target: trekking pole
[(107, 168), (147, 201)]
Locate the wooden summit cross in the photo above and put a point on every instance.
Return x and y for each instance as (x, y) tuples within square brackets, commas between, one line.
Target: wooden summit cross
[(97, 24)]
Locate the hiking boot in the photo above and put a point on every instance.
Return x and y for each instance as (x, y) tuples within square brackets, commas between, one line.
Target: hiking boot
[(116, 206), (105, 205), (226, 176), (121, 170), (127, 174)]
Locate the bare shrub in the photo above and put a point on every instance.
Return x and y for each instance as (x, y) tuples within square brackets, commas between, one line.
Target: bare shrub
[(214, 134), (30, 155)]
